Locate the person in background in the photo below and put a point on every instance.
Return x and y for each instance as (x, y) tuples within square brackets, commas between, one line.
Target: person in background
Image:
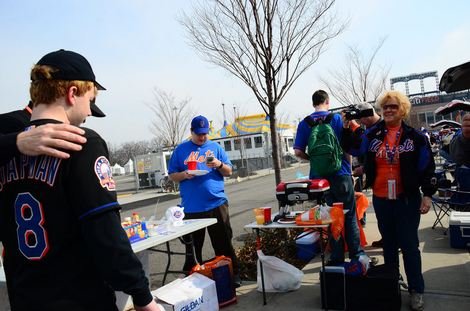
[(64, 246), (341, 186), (460, 144), (399, 163), (350, 136), (204, 196), (446, 135), (460, 153)]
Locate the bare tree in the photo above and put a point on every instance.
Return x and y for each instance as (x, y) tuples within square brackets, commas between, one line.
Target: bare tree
[(360, 80), (128, 150), (267, 44), (172, 118)]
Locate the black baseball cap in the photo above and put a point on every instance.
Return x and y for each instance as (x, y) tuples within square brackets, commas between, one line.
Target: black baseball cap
[(72, 66), (95, 111)]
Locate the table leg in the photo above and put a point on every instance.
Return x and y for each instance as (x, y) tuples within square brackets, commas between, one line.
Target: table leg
[(258, 247), (323, 284), (168, 252), (168, 262)]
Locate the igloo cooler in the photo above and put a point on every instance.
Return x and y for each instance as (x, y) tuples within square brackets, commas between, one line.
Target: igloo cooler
[(307, 245), (459, 229)]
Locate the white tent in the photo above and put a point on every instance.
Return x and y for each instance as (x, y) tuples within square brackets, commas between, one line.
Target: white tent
[(129, 167), (118, 170)]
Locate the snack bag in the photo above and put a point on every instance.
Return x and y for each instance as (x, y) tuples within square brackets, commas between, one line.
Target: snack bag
[(337, 218), (317, 215)]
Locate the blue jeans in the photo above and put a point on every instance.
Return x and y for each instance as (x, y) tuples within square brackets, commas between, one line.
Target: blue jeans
[(398, 222), (342, 190)]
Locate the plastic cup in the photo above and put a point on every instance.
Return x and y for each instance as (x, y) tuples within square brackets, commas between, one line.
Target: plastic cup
[(192, 165), (267, 215), (259, 215), (338, 204)]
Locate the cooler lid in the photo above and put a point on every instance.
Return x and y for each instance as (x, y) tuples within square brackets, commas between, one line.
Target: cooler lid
[(459, 218)]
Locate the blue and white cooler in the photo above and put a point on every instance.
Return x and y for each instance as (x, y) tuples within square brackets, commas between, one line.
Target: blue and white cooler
[(459, 229), (307, 245)]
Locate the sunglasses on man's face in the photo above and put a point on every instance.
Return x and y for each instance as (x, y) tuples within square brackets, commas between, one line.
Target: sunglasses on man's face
[(391, 107)]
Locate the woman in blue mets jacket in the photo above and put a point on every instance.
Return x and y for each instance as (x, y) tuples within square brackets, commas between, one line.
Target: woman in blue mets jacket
[(399, 163)]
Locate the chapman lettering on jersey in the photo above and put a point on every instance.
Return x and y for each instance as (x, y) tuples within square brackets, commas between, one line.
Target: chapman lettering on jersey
[(40, 168)]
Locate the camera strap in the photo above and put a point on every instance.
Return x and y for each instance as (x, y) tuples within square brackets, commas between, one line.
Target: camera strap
[(391, 153)]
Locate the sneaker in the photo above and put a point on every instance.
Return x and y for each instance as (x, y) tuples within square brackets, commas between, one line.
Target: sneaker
[(378, 243), (416, 301)]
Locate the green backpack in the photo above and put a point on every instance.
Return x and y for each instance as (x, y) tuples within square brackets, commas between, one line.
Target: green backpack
[(324, 149)]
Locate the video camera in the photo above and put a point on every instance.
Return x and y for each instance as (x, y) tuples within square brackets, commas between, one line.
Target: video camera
[(354, 113)]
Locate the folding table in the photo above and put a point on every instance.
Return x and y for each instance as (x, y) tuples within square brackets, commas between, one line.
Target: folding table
[(323, 229)]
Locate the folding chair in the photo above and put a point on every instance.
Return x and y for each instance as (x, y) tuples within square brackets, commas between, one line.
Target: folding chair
[(440, 201), (452, 200), (441, 207), (459, 200)]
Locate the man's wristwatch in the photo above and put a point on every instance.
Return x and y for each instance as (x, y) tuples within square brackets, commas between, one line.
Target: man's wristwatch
[(221, 165)]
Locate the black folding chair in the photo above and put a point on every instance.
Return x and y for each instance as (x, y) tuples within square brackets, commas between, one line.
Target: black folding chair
[(459, 200), (449, 200), (441, 207)]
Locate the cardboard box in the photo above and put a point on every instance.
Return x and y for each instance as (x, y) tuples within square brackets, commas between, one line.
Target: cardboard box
[(195, 292), (459, 229)]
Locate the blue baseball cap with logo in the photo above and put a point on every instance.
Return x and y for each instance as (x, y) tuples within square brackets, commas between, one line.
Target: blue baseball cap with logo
[(200, 125)]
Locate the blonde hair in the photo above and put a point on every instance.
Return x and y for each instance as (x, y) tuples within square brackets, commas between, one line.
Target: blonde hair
[(404, 104), (44, 89)]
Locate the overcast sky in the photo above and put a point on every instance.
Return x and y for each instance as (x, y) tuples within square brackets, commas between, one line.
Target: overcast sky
[(137, 45)]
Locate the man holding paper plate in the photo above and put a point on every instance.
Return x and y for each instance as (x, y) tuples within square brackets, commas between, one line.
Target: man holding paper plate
[(200, 165)]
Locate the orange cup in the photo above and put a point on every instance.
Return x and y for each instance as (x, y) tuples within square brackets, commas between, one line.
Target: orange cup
[(259, 215), (192, 165)]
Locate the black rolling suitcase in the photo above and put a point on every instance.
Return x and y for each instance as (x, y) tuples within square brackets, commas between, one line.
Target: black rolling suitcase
[(333, 290), (378, 290)]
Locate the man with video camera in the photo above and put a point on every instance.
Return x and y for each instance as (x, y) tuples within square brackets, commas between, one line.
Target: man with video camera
[(367, 116)]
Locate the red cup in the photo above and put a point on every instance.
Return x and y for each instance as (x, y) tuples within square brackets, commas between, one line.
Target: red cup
[(192, 165), (267, 215)]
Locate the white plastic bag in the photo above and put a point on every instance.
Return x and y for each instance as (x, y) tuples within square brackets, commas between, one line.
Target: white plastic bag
[(279, 276)]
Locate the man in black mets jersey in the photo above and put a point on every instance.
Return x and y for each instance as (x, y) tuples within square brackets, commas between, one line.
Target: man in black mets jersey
[(64, 245)]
